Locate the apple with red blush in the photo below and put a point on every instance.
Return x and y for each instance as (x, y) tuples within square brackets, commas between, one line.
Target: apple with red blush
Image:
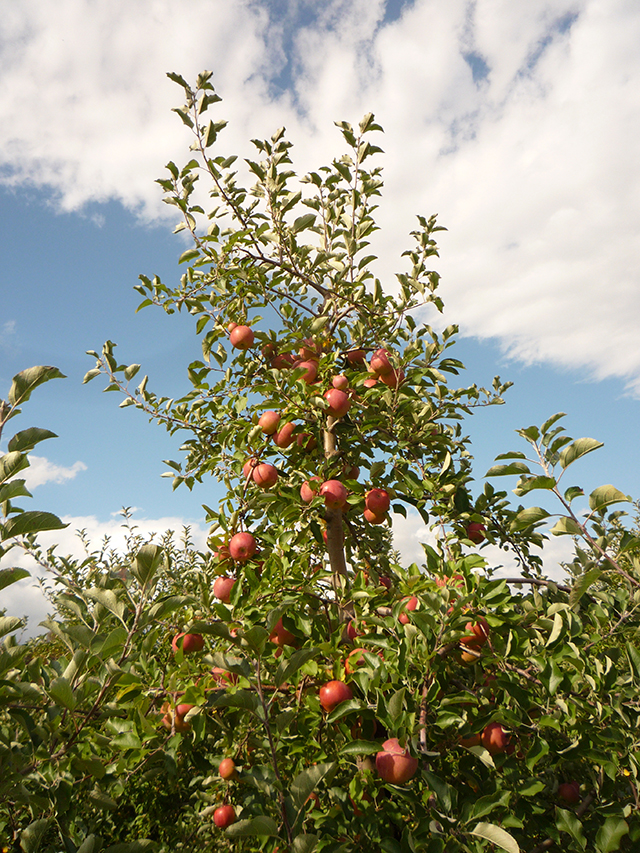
[(222, 588), (395, 764), (333, 693), (242, 337)]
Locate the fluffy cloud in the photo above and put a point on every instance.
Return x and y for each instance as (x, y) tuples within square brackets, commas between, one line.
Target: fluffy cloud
[(42, 471), (516, 123)]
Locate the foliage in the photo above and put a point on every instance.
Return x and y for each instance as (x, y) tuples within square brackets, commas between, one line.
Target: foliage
[(95, 753)]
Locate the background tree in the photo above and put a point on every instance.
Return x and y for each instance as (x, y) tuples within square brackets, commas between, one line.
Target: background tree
[(295, 687)]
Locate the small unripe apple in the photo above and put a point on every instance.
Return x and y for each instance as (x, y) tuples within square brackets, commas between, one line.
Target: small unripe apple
[(310, 370), (570, 792), (222, 587), (334, 494), (394, 764), (377, 500), (284, 436), (268, 422), (495, 739), (339, 402), (475, 532), (341, 382), (307, 490), (410, 604), (242, 546), (227, 768), (190, 643), (265, 475), (224, 816), (333, 693), (380, 364), (241, 337)]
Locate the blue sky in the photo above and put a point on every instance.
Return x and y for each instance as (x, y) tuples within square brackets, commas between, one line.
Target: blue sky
[(502, 119)]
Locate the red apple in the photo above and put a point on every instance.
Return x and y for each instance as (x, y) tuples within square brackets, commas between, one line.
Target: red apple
[(224, 816), (307, 490), (339, 402), (281, 637), (248, 467), (394, 764), (232, 326), (341, 382), (306, 441), (223, 677), (374, 518), (241, 337), (472, 740), (394, 378), (356, 659), (479, 634), (352, 629), (384, 581), (475, 532), (310, 370), (268, 422), (190, 643), (494, 738), (380, 364), (242, 546), (334, 494), (369, 383), (284, 437), (570, 792), (175, 718), (351, 472), (356, 357), (227, 768), (411, 604), (377, 501), (282, 361), (222, 589), (333, 693), (265, 475), (223, 554)]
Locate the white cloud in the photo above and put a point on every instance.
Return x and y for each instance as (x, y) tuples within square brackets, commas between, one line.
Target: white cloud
[(41, 471), (532, 165)]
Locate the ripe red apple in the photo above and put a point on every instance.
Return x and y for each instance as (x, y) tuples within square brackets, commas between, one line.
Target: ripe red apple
[(352, 629), (479, 634), (222, 587), (223, 677), (175, 718), (377, 501), (384, 581), (374, 518), (280, 636), (241, 337), (394, 378), (380, 364), (356, 659), (223, 554), (268, 422), (249, 465), (472, 740), (394, 764), (227, 768), (356, 357), (333, 693), (224, 816), (411, 604), (454, 581), (339, 402), (475, 532), (494, 738), (282, 361), (341, 382), (310, 370), (242, 546), (190, 643), (232, 325), (307, 490), (334, 494), (265, 475), (570, 792), (284, 437), (351, 472)]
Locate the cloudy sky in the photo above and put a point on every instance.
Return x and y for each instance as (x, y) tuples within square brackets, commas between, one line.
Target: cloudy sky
[(517, 122)]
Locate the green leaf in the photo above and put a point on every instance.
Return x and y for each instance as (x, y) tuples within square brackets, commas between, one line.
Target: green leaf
[(497, 836), (91, 844), (11, 463), (289, 667), (306, 782), (512, 468), (31, 837), (304, 843), (582, 584), (572, 493), (107, 598), (605, 495), (526, 517), (566, 526), (566, 821), (440, 789), (31, 522), (147, 561), (189, 255), (610, 834), (577, 449), (360, 747), (61, 692), (14, 489), (303, 222), (9, 576), (259, 826), (142, 845), (9, 624), (529, 484), (546, 426), (28, 438), (27, 380)]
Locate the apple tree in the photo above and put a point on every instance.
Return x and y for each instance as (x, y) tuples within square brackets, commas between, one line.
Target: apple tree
[(296, 687)]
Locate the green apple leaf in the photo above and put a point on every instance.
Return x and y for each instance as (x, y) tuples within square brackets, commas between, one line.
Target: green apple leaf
[(497, 836)]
